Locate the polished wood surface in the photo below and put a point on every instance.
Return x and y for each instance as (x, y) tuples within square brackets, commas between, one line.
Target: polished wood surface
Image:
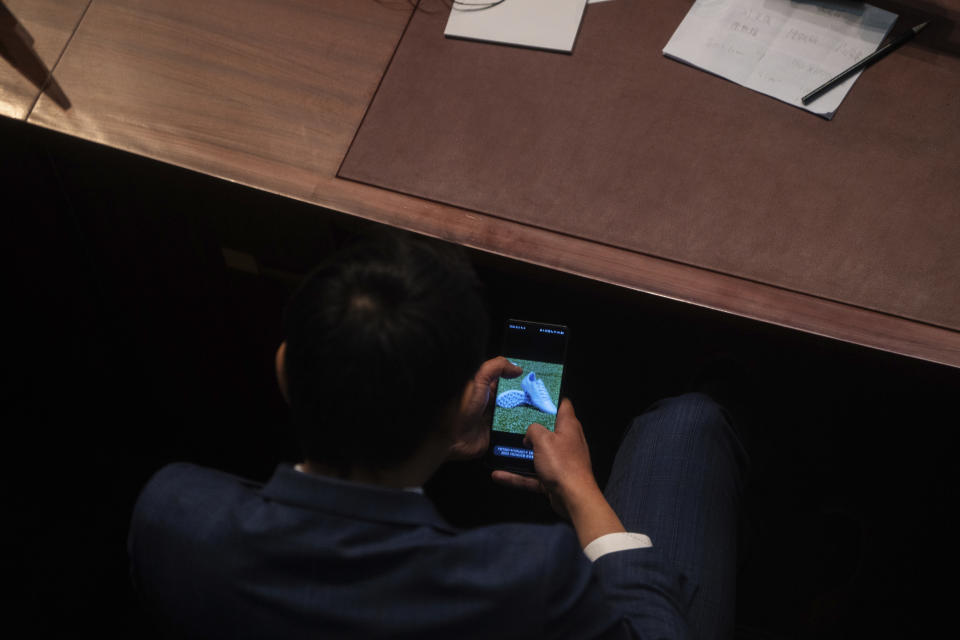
[(264, 93), (48, 25), (270, 94)]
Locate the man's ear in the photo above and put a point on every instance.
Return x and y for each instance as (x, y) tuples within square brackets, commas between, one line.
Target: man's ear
[(279, 362)]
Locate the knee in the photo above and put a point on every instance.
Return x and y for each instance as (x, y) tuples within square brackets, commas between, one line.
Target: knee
[(688, 416)]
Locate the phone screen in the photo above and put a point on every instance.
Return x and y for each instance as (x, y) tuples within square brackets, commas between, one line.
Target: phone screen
[(540, 350)]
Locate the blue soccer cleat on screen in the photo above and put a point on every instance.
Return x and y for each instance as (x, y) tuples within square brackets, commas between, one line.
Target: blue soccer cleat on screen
[(537, 393), (512, 398)]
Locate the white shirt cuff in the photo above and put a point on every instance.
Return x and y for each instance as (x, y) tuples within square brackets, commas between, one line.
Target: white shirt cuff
[(620, 541)]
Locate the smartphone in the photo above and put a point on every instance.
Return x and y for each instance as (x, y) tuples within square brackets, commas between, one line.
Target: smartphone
[(540, 350)]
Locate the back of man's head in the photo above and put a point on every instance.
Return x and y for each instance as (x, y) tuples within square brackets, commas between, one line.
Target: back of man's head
[(380, 339)]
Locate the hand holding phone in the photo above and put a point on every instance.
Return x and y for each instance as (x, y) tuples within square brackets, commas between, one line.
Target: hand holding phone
[(473, 426), (562, 461), (566, 476), (540, 351)]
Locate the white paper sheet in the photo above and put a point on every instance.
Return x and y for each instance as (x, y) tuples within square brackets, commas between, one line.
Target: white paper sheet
[(781, 48), (541, 24)]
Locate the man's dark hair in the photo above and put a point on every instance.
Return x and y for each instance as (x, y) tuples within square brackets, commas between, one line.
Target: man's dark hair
[(380, 339)]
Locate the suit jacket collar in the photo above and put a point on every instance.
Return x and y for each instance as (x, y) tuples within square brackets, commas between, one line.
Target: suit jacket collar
[(350, 499)]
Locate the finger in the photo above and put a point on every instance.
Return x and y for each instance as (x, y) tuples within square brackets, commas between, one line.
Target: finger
[(535, 434), (470, 447), (517, 481), (496, 368), (511, 370)]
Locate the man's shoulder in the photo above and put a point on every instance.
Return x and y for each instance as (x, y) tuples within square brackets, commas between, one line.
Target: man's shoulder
[(223, 533), (179, 474), (183, 499), (183, 488)]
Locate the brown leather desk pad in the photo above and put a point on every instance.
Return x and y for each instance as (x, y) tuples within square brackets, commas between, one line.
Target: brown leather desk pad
[(619, 145)]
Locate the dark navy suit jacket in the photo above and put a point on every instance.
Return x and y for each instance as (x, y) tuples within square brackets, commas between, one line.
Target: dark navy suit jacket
[(214, 555)]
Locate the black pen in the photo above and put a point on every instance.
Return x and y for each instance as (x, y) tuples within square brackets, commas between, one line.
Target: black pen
[(879, 53)]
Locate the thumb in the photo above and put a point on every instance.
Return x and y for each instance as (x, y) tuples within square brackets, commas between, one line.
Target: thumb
[(499, 367), (511, 370)]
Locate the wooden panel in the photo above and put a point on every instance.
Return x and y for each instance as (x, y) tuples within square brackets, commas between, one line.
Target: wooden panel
[(270, 94), (264, 92), (50, 23)]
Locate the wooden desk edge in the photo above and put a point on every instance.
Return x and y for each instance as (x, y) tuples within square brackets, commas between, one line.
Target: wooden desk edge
[(684, 283), (619, 267), (650, 274)]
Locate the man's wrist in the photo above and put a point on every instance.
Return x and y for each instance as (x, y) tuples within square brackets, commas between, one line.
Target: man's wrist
[(579, 495), (590, 513)]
